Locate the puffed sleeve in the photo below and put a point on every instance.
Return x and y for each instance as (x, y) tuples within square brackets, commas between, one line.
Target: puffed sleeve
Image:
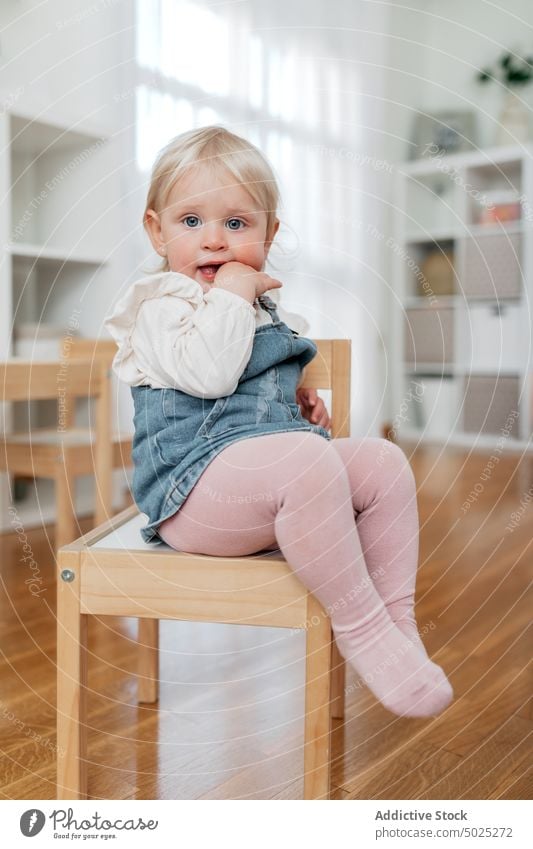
[(172, 334)]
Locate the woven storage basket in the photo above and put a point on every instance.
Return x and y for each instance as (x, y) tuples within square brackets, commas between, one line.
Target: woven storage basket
[(491, 404), (492, 265), (429, 335)]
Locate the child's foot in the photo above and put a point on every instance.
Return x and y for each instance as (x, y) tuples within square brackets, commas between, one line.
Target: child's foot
[(402, 614), (409, 629), (397, 671)]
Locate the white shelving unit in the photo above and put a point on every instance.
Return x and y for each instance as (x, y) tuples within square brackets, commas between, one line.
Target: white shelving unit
[(59, 232), (462, 332)]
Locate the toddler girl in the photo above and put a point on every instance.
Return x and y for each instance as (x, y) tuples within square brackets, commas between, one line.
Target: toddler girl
[(231, 456)]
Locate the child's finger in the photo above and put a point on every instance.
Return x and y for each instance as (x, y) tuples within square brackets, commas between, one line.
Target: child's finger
[(321, 416)]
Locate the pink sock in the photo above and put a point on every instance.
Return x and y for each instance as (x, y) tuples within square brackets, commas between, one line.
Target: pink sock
[(383, 490)]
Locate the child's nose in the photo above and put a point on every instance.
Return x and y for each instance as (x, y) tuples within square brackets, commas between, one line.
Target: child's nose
[(213, 236)]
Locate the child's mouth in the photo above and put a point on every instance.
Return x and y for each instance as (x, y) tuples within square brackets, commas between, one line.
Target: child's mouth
[(209, 271)]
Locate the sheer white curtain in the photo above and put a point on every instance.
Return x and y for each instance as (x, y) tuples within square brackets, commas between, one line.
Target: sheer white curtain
[(294, 79)]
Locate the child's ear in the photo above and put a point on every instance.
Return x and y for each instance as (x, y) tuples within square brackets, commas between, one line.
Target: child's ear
[(268, 242), (152, 225)]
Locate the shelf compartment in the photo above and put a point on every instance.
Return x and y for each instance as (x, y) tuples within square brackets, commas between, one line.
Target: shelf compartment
[(498, 229), (502, 175), (490, 404), (434, 411), (432, 236), (431, 196), (24, 251), (34, 137), (499, 157), (492, 336), (56, 181), (432, 270), (429, 335), (492, 265), (50, 292)]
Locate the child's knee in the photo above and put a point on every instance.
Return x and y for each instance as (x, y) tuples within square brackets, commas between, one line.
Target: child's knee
[(395, 463)]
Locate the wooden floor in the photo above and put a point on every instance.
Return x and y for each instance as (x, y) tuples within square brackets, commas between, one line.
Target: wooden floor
[(230, 718)]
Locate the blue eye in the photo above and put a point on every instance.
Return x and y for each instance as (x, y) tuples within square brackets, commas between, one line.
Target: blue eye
[(237, 221), (191, 220)]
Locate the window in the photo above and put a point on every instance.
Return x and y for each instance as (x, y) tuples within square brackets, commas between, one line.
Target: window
[(198, 65)]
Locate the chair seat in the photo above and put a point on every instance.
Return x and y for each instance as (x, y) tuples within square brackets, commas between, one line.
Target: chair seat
[(123, 573), (128, 537)]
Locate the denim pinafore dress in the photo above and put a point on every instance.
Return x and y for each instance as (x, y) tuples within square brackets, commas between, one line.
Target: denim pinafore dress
[(177, 435)]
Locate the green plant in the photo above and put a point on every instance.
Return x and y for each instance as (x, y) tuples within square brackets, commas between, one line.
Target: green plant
[(512, 69)]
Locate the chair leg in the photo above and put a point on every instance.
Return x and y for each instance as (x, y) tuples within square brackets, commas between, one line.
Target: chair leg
[(338, 681), (66, 522), (71, 684), (148, 665), (317, 744)]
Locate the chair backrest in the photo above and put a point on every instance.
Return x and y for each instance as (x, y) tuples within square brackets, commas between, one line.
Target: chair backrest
[(34, 380), (331, 370), (30, 380), (101, 350)]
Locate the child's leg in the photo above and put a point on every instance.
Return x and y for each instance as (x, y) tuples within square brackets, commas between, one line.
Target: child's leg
[(383, 492), (294, 488)]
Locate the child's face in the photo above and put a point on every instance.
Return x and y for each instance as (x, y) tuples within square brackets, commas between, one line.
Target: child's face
[(209, 220)]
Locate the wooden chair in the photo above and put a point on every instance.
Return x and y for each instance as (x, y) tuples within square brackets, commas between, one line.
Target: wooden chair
[(111, 571), (57, 458), (103, 351), (35, 453)]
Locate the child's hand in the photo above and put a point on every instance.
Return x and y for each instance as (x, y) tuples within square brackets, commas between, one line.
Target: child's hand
[(232, 274), (313, 407)]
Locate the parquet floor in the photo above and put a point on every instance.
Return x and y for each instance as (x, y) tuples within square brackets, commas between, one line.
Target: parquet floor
[(230, 717)]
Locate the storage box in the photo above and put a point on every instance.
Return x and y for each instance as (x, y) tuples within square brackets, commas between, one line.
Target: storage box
[(429, 336), (499, 206), (491, 405), (492, 337), (492, 265)]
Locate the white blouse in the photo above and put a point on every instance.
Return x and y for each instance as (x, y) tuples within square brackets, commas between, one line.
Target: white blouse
[(172, 334)]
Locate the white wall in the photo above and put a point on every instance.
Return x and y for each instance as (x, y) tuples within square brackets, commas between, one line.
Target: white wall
[(461, 38), (62, 59), (434, 50)]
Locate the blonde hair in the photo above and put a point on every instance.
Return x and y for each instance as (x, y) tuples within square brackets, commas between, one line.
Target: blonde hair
[(221, 150)]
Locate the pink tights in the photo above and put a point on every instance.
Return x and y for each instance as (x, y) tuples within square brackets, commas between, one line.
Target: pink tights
[(344, 515)]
